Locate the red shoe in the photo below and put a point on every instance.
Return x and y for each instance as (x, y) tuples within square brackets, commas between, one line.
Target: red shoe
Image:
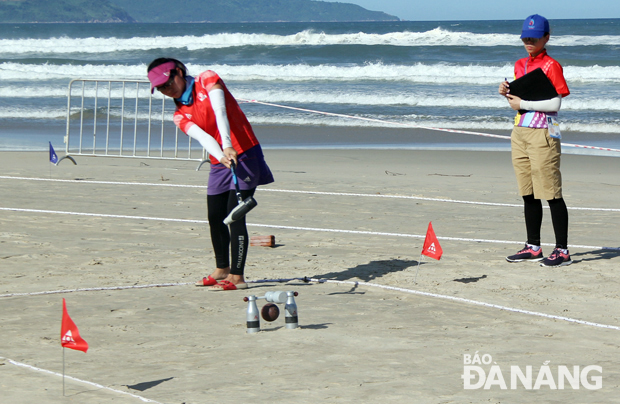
[(227, 285), (208, 281)]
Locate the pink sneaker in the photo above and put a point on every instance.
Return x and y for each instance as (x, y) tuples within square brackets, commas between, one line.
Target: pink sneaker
[(557, 259), (526, 254)]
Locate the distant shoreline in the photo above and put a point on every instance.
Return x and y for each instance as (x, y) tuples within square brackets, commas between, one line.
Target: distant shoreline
[(31, 137), (203, 22), (289, 22)]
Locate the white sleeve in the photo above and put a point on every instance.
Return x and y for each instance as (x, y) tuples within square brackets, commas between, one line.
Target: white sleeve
[(551, 105), (210, 144), (218, 103)]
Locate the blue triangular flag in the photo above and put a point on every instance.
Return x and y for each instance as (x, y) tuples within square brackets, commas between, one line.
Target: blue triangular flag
[(53, 155)]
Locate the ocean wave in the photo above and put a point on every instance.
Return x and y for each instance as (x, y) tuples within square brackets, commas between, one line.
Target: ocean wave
[(32, 113), (438, 73), (463, 123), (295, 97), (472, 123), (414, 99), (307, 99), (435, 37)]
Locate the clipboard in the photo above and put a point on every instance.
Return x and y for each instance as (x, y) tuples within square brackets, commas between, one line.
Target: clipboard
[(534, 86)]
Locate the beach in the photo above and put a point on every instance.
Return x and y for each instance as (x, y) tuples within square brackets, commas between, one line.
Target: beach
[(125, 239), (343, 113)]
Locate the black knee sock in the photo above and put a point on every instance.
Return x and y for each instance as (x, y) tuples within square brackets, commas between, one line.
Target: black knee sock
[(533, 211), (559, 218)]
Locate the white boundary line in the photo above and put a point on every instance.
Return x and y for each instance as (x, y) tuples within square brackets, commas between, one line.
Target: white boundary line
[(469, 301), (316, 229), (52, 292), (75, 379), (6, 177), (418, 198), (354, 283)]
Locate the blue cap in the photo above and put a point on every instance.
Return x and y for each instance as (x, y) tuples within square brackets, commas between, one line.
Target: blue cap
[(534, 26)]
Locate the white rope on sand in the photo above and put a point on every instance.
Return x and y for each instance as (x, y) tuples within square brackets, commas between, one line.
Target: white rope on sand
[(75, 379), (345, 194), (52, 292), (282, 227), (354, 283), (421, 198), (469, 301), (409, 125), (6, 177)]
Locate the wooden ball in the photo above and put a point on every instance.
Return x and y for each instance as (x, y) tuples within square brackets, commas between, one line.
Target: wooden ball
[(270, 312)]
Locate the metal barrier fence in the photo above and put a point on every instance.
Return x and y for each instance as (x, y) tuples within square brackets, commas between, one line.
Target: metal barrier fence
[(121, 118)]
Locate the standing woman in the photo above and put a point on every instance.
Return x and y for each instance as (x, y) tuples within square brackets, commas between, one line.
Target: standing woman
[(207, 112), (536, 148)]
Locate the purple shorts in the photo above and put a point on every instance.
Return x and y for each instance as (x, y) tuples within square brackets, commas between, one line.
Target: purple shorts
[(252, 171)]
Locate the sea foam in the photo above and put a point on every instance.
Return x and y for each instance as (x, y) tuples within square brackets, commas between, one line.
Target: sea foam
[(436, 73), (434, 37)]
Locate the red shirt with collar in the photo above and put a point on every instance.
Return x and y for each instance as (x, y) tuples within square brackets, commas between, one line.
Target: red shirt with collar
[(553, 70), (550, 66), (201, 113)]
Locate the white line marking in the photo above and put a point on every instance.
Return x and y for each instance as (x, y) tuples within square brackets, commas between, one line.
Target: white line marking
[(474, 302), (418, 198), (52, 292), (317, 229), (355, 283), (30, 367), (5, 177)]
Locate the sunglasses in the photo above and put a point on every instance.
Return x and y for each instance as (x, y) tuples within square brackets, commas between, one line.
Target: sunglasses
[(533, 41), (168, 83)]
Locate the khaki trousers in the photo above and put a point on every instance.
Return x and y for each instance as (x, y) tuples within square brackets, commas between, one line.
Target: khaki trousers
[(536, 161)]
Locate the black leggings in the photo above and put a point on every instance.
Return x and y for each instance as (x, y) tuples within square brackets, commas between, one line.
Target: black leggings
[(534, 215), (218, 207)]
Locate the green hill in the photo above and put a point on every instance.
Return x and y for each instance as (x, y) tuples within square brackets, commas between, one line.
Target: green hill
[(247, 11), (184, 11), (62, 11)]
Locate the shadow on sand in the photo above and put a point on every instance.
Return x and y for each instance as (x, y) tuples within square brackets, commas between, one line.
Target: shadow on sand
[(370, 271)]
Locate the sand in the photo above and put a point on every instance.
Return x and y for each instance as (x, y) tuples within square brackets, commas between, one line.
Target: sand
[(339, 215)]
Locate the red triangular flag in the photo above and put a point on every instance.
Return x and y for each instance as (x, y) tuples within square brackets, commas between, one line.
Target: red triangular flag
[(431, 244), (69, 334)]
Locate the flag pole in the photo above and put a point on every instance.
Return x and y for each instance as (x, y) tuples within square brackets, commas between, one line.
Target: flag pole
[(63, 371), (51, 153), (69, 337), (418, 269)]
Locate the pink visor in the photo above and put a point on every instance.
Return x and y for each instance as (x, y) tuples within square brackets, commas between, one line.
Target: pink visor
[(160, 74)]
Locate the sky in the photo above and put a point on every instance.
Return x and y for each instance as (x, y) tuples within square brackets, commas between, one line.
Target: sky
[(442, 10)]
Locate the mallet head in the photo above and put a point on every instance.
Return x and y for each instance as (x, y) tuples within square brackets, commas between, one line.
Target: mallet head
[(240, 210)]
